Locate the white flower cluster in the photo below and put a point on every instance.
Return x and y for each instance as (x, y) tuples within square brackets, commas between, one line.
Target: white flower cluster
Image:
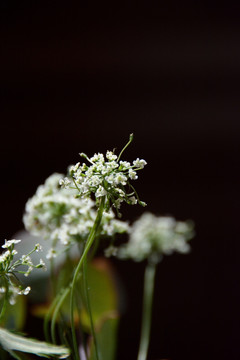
[(152, 236), (9, 285), (56, 214), (106, 176)]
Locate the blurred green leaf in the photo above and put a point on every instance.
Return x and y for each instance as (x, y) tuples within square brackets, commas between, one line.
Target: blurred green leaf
[(12, 342), (106, 339), (102, 292), (15, 315)]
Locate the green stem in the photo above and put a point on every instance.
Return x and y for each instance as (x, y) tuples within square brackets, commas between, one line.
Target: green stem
[(89, 242), (50, 311), (5, 301), (147, 310), (129, 142), (55, 313), (89, 307), (4, 307)]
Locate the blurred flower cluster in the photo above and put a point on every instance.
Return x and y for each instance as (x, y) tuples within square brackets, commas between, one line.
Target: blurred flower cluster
[(153, 236), (56, 214)]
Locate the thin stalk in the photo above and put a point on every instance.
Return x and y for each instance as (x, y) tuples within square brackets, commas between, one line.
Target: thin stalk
[(129, 142), (4, 306), (47, 318), (89, 242), (149, 277), (54, 304), (55, 313), (89, 308)]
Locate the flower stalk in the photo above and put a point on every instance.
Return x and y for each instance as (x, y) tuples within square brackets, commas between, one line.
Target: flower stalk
[(89, 243), (148, 291)]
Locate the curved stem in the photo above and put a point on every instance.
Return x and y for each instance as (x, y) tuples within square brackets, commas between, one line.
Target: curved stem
[(55, 304), (55, 313), (147, 310), (89, 307), (129, 142), (89, 242)]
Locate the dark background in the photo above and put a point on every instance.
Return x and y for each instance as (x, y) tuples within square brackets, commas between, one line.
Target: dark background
[(82, 77)]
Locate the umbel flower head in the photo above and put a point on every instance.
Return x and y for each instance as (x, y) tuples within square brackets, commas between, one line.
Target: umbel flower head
[(153, 236), (55, 213), (106, 176), (10, 287)]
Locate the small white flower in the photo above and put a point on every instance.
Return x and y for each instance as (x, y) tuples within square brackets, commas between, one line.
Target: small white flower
[(27, 290), (120, 192), (38, 247), (65, 183), (120, 179), (30, 269), (51, 254), (95, 180), (125, 165), (133, 200), (24, 291), (132, 174), (9, 243), (110, 179), (100, 192), (97, 158), (74, 168), (25, 259), (139, 163), (111, 156)]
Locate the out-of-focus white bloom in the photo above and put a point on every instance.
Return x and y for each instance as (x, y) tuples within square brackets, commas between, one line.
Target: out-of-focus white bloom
[(65, 182), (24, 291), (152, 236), (38, 247), (54, 213), (42, 265), (51, 254), (111, 251)]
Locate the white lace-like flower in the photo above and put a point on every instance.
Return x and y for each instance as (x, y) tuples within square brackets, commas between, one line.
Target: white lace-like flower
[(10, 288), (152, 236), (104, 177), (56, 214)]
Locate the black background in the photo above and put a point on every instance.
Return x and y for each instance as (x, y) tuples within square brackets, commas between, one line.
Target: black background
[(82, 77)]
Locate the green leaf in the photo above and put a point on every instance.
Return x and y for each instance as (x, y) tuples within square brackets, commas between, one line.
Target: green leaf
[(102, 292), (15, 315), (12, 342), (106, 339), (104, 303)]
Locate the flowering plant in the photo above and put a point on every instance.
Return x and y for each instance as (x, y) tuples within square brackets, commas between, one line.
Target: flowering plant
[(76, 214)]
